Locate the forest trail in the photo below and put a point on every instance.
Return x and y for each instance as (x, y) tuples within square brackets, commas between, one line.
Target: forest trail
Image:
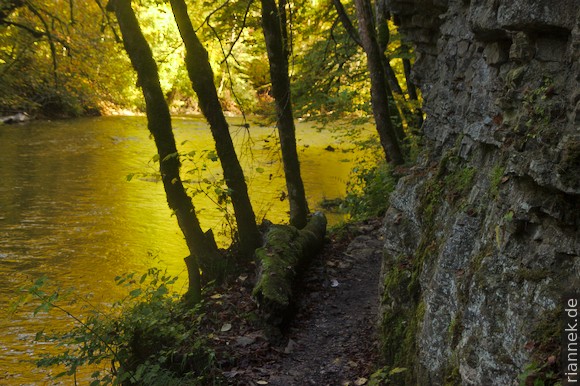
[(332, 339)]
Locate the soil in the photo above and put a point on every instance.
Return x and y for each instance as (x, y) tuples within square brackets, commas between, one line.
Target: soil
[(332, 339)]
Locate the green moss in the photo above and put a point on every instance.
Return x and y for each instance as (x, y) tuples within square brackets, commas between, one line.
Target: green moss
[(546, 341), (453, 378), (532, 275), (460, 181), (285, 253), (495, 178), (405, 310), (278, 256), (433, 193), (402, 321)]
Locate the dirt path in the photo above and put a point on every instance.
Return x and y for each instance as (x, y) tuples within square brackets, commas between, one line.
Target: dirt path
[(332, 340)]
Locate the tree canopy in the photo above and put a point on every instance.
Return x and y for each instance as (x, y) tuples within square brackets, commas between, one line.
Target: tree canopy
[(51, 58)]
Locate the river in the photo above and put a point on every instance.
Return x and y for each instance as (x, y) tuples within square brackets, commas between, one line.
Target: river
[(68, 211)]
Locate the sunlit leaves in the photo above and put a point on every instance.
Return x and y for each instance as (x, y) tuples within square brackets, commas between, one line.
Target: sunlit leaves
[(52, 59), (150, 320), (212, 155)]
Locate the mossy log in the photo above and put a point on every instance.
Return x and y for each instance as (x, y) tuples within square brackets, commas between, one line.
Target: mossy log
[(285, 253)]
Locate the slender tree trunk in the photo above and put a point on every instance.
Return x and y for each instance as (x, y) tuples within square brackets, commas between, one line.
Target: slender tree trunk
[(412, 91), (403, 112), (274, 32), (379, 87), (346, 23), (159, 124), (202, 80)]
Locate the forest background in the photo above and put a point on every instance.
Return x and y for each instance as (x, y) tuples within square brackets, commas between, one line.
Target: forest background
[(64, 59)]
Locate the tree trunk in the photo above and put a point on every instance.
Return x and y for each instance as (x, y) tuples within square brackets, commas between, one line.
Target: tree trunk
[(202, 80), (284, 255), (383, 41), (159, 124), (403, 112), (274, 33), (379, 87), (346, 23), (412, 90)]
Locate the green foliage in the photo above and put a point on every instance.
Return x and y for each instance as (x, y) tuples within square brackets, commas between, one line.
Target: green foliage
[(51, 61), (539, 104), (369, 189), (386, 376), (203, 178), (495, 178), (538, 375), (148, 338), (330, 74)]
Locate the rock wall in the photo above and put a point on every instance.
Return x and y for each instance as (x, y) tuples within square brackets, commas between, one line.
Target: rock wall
[(482, 235)]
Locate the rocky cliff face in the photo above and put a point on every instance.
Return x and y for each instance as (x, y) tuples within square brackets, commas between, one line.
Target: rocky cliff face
[(482, 236)]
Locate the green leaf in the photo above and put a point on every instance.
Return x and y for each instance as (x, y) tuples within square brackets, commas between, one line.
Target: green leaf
[(61, 374), (397, 370), (260, 170), (44, 307), (171, 155), (143, 278), (212, 156), (130, 176), (136, 292), (162, 290)]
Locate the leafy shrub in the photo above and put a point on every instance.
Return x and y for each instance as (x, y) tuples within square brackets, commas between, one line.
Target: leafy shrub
[(148, 338), (369, 189)]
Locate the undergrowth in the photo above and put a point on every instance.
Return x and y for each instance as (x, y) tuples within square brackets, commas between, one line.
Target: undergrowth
[(150, 337), (368, 191)]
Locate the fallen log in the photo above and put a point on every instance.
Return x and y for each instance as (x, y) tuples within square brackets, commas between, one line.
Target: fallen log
[(16, 118), (286, 252)]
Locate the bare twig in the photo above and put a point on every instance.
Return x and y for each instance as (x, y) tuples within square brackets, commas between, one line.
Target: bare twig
[(250, 2)]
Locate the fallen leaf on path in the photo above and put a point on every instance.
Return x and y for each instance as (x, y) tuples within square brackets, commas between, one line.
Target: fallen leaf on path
[(245, 340), (290, 347), (231, 374), (334, 283), (226, 327), (261, 382), (361, 381)]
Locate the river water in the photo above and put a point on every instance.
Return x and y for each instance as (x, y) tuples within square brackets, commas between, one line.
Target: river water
[(68, 211)]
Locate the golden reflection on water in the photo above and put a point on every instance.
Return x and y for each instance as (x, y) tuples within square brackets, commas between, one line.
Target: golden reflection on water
[(68, 212)]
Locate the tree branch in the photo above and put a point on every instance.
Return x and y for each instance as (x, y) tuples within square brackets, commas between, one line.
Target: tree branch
[(240, 32), (346, 23), (206, 20)]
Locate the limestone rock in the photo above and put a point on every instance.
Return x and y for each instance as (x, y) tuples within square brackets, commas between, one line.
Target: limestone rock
[(481, 238)]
